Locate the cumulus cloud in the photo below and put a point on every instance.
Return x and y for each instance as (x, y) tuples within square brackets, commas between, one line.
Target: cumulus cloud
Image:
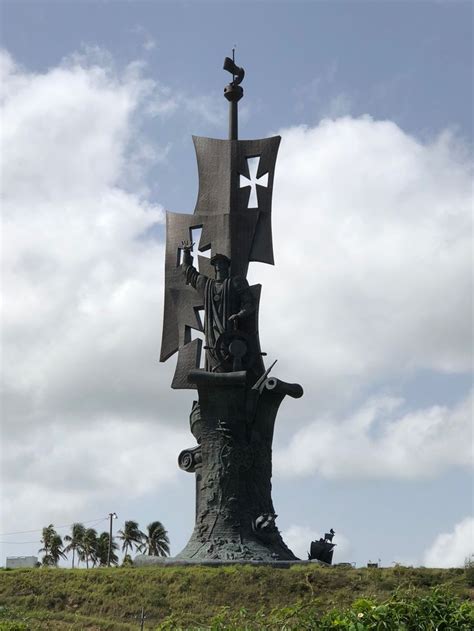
[(372, 241), (71, 472), (82, 284), (298, 539), (77, 270), (378, 440), (148, 41), (373, 248), (372, 284), (452, 549)]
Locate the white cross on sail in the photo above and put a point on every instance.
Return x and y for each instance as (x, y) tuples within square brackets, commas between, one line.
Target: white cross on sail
[(253, 181)]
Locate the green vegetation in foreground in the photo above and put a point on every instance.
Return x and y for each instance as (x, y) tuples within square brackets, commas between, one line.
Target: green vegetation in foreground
[(237, 598)]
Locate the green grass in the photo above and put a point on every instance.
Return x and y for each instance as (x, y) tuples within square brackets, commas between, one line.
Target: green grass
[(233, 597)]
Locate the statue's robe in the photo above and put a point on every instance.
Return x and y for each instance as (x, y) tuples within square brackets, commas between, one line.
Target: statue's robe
[(221, 300)]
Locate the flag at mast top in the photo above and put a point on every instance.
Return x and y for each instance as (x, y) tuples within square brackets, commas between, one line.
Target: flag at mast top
[(233, 92)]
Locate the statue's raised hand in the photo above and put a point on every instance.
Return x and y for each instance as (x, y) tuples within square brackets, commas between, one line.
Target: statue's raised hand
[(186, 246)]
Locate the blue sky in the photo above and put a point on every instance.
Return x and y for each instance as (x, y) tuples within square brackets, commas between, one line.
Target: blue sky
[(371, 227), (406, 62)]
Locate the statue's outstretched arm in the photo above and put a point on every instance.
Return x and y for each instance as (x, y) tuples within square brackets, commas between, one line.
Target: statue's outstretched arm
[(193, 277)]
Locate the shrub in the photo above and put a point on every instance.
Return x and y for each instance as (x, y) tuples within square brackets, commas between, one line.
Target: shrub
[(439, 611), (469, 570)]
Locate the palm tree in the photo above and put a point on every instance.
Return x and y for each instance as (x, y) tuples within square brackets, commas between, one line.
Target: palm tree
[(52, 546), (88, 551), (75, 540), (131, 535), (156, 541), (127, 561), (103, 550)]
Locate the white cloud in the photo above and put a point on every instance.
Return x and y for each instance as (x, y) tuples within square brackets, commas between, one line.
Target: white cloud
[(454, 548), (82, 292), (79, 312), (372, 240), (149, 44), (148, 41), (298, 539), (84, 465), (320, 96), (206, 108), (62, 473), (343, 550), (373, 245), (380, 441)]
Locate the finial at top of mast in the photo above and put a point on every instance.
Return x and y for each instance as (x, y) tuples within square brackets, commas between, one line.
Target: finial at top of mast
[(236, 72), (233, 92)]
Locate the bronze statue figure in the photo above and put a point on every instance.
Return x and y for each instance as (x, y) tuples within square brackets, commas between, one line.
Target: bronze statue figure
[(228, 309)]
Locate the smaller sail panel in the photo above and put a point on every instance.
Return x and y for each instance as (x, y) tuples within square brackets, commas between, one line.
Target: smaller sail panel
[(188, 359), (180, 299)]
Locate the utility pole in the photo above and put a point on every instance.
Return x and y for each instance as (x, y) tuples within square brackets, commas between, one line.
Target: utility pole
[(109, 552), (142, 619)]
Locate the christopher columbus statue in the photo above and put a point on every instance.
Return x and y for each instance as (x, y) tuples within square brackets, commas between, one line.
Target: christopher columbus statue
[(229, 314), (233, 415)]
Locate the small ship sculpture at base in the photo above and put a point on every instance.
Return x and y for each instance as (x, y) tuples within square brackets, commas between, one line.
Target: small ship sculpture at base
[(323, 549)]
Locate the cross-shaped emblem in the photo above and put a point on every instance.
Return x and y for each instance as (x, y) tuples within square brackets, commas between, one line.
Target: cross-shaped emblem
[(253, 181)]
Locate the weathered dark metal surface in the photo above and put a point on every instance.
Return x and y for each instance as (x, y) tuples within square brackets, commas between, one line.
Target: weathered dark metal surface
[(233, 93), (228, 226), (243, 234), (235, 517), (233, 419), (323, 549), (181, 302)]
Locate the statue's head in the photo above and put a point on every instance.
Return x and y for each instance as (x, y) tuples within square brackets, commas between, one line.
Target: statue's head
[(221, 265)]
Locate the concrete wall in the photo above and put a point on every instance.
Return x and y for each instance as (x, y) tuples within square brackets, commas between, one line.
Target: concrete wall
[(16, 562)]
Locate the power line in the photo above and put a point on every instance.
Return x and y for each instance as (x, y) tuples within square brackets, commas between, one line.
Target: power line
[(18, 543), (24, 532)]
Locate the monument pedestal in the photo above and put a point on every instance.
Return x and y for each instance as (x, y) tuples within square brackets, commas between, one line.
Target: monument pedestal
[(233, 426)]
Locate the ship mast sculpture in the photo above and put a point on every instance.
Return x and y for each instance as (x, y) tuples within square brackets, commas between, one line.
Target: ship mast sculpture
[(233, 417)]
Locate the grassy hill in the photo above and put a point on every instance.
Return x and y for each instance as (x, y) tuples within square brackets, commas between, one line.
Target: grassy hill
[(226, 598)]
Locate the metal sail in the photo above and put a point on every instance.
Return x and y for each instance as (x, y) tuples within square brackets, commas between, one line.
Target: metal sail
[(230, 225)]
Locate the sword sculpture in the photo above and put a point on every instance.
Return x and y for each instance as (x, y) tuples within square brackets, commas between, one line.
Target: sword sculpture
[(233, 417)]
